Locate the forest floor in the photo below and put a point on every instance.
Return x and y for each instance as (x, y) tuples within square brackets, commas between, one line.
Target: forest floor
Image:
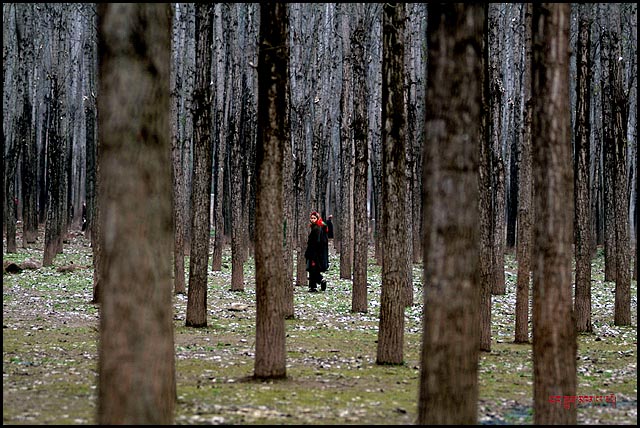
[(50, 339)]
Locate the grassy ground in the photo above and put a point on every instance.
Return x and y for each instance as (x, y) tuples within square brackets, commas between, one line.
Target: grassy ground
[(50, 355)]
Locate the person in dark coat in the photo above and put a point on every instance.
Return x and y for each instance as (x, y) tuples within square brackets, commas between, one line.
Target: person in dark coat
[(330, 226), (313, 253)]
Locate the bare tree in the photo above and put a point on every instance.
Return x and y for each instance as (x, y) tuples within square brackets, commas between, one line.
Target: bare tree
[(201, 178), (496, 90), (581, 161), (273, 69), (525, 209), (448, 391), (345, 220), (177, 147), (220, 121), (136, 369), (394, 189), (361, 162), (554, 330), (620, 116)]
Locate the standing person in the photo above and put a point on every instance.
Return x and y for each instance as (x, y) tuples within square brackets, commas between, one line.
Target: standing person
[(315, 253), (330, 226), (84, 216)]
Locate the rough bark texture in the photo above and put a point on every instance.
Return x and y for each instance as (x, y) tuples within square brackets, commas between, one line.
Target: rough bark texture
[(485, 209), (448, 392), (273, 68), (620, 116), (525, 211), (554, 331), (581, 162), (394, 189), (136, 368), (360, 138), (497, 162), (345, 221), (201, 179)]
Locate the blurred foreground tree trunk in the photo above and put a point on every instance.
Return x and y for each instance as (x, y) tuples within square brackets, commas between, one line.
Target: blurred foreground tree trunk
[(136, 366), (448, 392)]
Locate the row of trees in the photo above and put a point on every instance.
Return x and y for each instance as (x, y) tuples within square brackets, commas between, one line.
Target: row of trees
[(322, 106)]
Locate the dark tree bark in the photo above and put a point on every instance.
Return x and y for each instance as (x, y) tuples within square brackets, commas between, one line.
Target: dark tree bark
[(608, 147), (485, 207), (394, 188), (29, 166), (219, 122), (360, 142), (525, 208), (90, 115), (201, 178), (345, 220), (448, 392), (178, 172), (136, 373), (554, 330), (581, 162), (299, 116), (497, 162), (273, 68), (55, 172), (237, 157), (620, 116)]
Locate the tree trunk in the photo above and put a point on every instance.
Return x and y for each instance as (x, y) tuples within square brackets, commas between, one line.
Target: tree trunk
[(178, 172), (360, 133), (136, 379), (620, 116), (201, 178), (394, 188), (608, 147), (581, 161), (345, 220), (525, 209), (448, 392), (554, 330), (55, 171), (273, 68), (485, 208), (497, 162), (220, 126)]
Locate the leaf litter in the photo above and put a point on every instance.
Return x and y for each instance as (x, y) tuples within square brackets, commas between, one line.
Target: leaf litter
[(50, 334)]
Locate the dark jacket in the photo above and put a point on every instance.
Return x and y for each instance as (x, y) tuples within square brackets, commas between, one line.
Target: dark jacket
[(317, 247), (314, 246)]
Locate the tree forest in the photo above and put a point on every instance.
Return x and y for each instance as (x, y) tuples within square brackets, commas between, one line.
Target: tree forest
[(470, 170)]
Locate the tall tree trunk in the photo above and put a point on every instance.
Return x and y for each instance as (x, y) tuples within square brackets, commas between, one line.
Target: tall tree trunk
[(360, 138), (55, 153), (497, 162), (620, 116), (608, 147), (554, 330), (273, 68), (136, 374), (485, 206), (525, 208), (581, 161), (394, 188), (201, 175), (345, 220), (448, 392), (178, 172), (220, 132)]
